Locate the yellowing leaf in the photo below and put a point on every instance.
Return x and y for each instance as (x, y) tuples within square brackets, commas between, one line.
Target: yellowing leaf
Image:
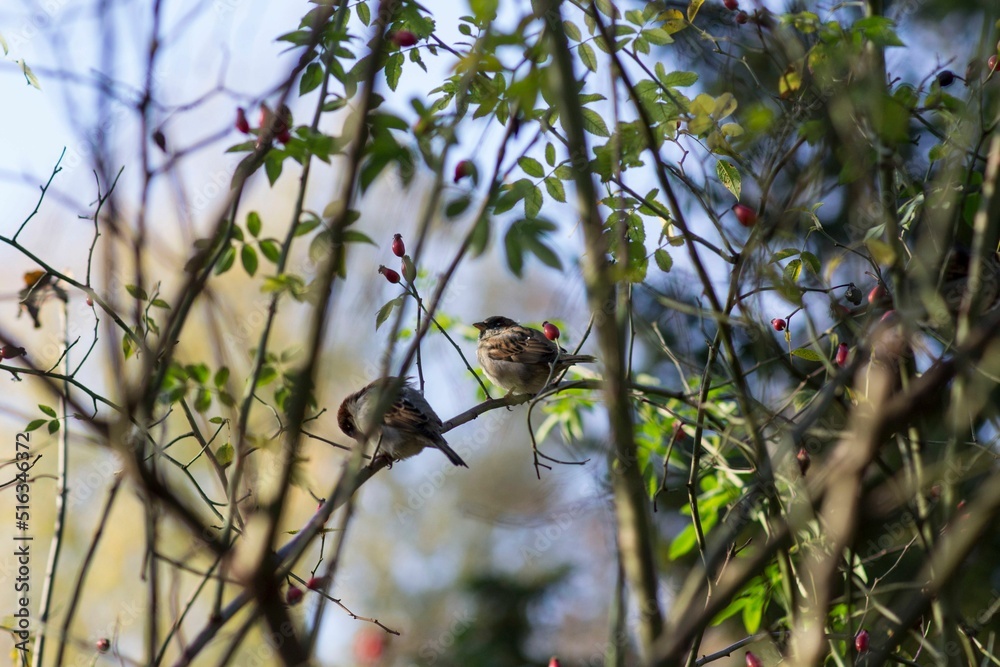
[(673, 21), (881, 251), (725, 104), (693, 8), (790, 81), (703, 105)]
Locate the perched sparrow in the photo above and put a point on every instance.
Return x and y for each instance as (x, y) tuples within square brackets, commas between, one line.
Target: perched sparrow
[(520, 359), (409, 424)]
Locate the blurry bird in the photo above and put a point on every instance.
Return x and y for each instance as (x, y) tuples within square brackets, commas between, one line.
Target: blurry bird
[(408, 425), (519, 359)]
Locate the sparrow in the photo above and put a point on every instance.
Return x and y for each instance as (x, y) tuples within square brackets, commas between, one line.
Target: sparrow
[(408, 425), (519, 359)]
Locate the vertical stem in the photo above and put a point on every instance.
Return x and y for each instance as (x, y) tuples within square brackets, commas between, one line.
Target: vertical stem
[(63, 461), (635, 535)]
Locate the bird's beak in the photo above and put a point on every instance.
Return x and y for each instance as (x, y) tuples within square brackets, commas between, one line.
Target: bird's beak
[(480, 325)]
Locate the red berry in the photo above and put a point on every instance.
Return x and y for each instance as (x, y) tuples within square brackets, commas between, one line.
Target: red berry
[(294, 595), (842, 351), (731, 5), (11, 352), (284, 136), (90, 302), (861, 641), (554, 662), (369, 646), (242, 124), (746, 215), (753, 661), (804, 460), (742, 18), (314, 583), (551, 330), (389, 274), (103, 644), (779, 324), (877, 294), (398, 247), (403, 38), (463, 169), (991, 64)]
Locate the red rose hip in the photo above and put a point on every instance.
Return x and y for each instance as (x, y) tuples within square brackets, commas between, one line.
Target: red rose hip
[(753, 661), (842, 352), (242, 124), (551, 331), (742, 18), (731, 5), (293, 595), (779, 324), (389, 274), (804, 460), (463, 169), (398, 247), (403, 38), (746, 215), (861, 641)]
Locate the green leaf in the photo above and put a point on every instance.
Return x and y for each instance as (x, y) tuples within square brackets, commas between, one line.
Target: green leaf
[(663, 260), (226, 261), (273, 164), (128, 347), (248, 257), (393, 69), (515, 251), (136, 292), (484, 10), (608, 9), (730, 177), (657, 36), (550, 154), (203, 401), (793, 269), (593, 123), (311, 78), (572, 31), (807, 354), (47, 410), (783, 254), (531, 167), (555, 189), (457, 207), (253, 223), (270, 249), (588, 57), (678, 79), (533, 202), (354, 236), (383, 313), (54, 426), (811, 262), (34, 424), (364, 13), (225, 454), (221, 377), (160, 303)]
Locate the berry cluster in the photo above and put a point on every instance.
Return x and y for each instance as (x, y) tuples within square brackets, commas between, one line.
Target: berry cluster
[(269, 124), (406, 266)]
